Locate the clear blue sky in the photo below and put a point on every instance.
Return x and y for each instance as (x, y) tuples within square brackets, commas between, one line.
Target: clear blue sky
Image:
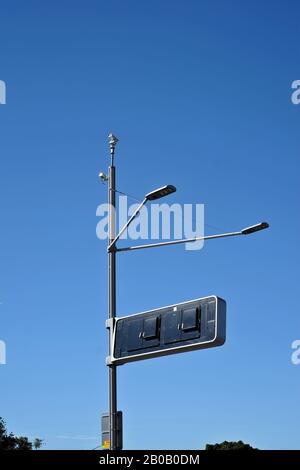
[(199, 95)]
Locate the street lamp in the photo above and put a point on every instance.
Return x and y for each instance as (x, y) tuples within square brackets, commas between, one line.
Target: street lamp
[(112, 251), (160, 192)]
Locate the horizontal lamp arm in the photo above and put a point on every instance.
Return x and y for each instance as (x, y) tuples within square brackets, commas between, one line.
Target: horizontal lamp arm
[(177, 242), (246, 231)]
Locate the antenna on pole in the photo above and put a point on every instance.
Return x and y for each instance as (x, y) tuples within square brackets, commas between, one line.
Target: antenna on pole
[(113, 140)]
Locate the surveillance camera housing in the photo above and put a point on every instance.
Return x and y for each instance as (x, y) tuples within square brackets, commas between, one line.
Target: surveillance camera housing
[(103, 176)]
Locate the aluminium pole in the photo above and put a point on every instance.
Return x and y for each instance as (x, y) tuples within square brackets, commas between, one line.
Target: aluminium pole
[(112, 369)]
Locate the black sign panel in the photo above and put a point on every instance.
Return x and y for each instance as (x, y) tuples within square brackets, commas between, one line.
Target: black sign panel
[(196, 324)]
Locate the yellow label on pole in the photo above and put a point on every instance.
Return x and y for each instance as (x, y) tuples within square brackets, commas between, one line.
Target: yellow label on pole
[(106, 445)]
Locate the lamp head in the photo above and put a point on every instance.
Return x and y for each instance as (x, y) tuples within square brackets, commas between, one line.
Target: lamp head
[(160, 192), (255, 228)]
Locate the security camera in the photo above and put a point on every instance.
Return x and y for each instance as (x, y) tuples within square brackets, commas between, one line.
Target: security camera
[(103, 177)]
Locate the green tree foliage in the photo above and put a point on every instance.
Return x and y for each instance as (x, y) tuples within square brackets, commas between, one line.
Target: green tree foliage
[(232, 445), (12, 442), (37, 443)]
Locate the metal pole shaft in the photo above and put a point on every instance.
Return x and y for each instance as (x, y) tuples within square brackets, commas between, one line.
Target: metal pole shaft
[(112, 306)]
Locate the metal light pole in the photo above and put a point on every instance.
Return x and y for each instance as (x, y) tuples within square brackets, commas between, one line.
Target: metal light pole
[(112, 370), (112, 250)]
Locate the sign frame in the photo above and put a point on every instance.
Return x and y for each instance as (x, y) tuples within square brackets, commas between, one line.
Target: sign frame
[(218, 339)]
